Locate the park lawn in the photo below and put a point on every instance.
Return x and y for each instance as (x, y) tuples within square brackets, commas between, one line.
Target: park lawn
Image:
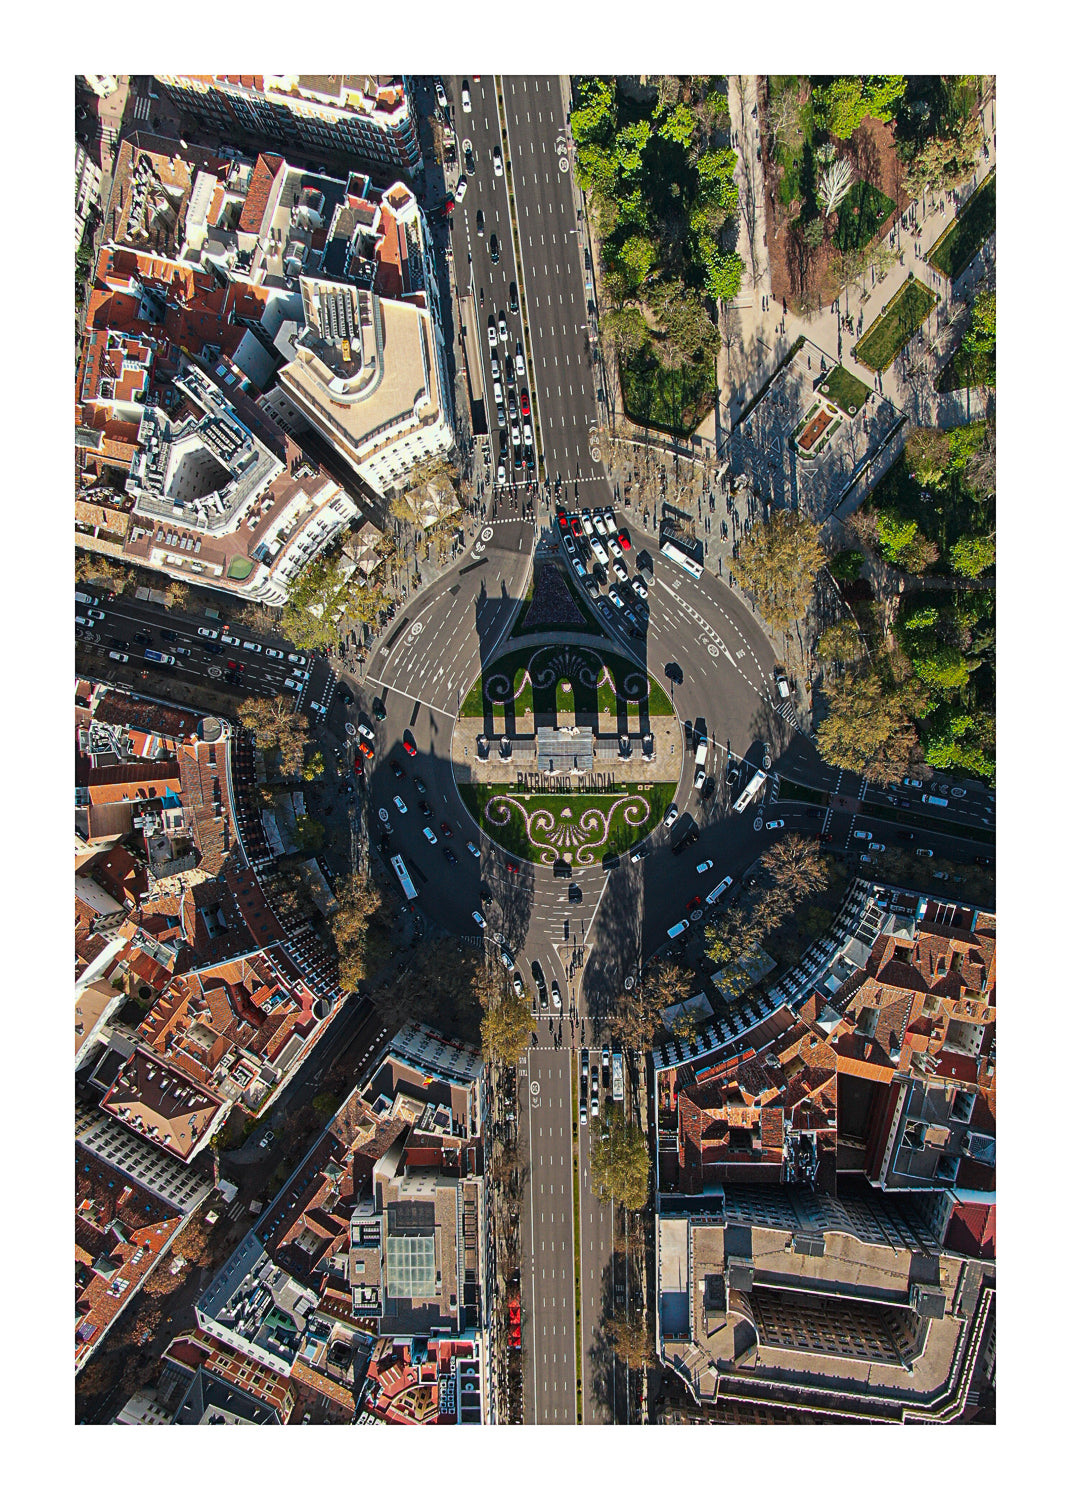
[(861, 215), (548, 699), (513, 837), (902, 318), (968, 232), (845, 390), (675, 401)]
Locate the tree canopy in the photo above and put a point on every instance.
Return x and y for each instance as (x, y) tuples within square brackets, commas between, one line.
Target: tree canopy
[(867, 728), (506, 1030), (779, 562), (841, 104), (278, 728), (619, 1162)]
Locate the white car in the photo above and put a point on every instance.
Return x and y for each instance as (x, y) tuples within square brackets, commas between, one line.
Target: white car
[(639, 588), (477, 917), (95, 614), (295, 687), (614, 545), (231, 640), (497, 156), (672, 814), (496, 373), (583, 1113), (501, 476), (599, 551), (473, 850), (466, 99), (585, 521), (252, 646), (776, 823), (594, 1106), (429, 834), (492, 332), (520, 358), (620, 570), (301, 676), (271, 651), (367, 733), (400, 805), (527, 431), (118, 656), (502, 329), (440, 94), (704, 866), (461, 189), (616, 599), (295, 656), (212, 635), (555, 994), (862, 833), (518, 986), (599, 524)]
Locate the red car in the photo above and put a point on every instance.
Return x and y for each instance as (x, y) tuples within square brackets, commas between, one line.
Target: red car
[(623, 539), (526, 410), (448, 832), (358, 765), (408, 744), (366, 748), (512, 867), (563, 520), (695, 904), (576, 527)]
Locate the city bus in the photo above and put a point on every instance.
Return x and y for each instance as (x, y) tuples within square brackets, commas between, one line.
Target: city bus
[(750, 792), (398, 864), (674, 553)]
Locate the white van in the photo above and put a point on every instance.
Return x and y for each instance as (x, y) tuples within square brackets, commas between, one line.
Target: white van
[(719, 890), (935, 801), (83, 598), (677, 929)]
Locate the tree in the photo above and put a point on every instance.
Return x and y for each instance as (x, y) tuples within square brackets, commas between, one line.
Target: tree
[(631, 1337), (668, 983), (867, 728), (619, 1163), (314, 766), (779, 562), (360, 928), (927, 451), (679, 125), (724, 273), (627, 330), (639, 1013), (177, 592), (310, 833), (846, 566), (842, 104), (506, 1031), (686, 1024), (947, 160), (277, 727), (839, 642), (783, 116), (796, 867), (980, 341), (834, 184), (972, 555)]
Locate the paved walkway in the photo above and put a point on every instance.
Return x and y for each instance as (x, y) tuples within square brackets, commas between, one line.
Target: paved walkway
[(754, 341)]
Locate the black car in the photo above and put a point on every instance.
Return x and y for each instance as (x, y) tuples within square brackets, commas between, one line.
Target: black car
[(345, 695), (379, 709), (213, 648), (562, 869), (116, 644), (674, 672), (143, 639), (169, 635), (396, 768), (492, 245), (514, 306), (479, 221), (425, 808), (576, 895), (732, 775), (418, 783), (449, 855)]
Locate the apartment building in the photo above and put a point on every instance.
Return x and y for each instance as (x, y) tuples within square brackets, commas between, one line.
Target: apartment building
[(369, 116)]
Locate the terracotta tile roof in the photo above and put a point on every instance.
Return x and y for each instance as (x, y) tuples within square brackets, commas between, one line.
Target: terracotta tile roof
[(133, 781), (256, 198), (120, 1228), (972, 1230)]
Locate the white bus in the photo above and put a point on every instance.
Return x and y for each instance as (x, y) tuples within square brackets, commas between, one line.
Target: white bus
[(674, 553), (402, 873), (750, 792)]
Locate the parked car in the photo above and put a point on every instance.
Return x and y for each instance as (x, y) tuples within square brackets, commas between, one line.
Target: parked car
[(400, 805), (478, 918), (556, 994), (461, 189), (429, 834)]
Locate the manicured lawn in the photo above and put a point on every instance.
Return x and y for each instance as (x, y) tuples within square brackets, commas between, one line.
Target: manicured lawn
[(674, 400), (545, 699), (844, 390), (861, 215), (968, 232), (566, 809), (903, 317)]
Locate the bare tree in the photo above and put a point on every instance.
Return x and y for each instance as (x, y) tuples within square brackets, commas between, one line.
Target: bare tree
[(835, 184)]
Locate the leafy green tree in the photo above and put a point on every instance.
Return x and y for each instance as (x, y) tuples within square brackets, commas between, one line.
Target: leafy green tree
[(310, 833), (841, 105), (631, 1336), (947, 160), (619, 1162), (941, 667), (629, 147), (506, 1031), (972, 555), (895, 535), (980, 341), (846, 566), (867, 728), (922, 618), (678, 126), (724, 273), (314, 765), (627, 330), (637, 258), (594, 114)]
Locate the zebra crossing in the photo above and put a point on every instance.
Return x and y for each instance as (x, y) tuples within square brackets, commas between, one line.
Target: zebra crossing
[(142, 108), (788, 713)]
